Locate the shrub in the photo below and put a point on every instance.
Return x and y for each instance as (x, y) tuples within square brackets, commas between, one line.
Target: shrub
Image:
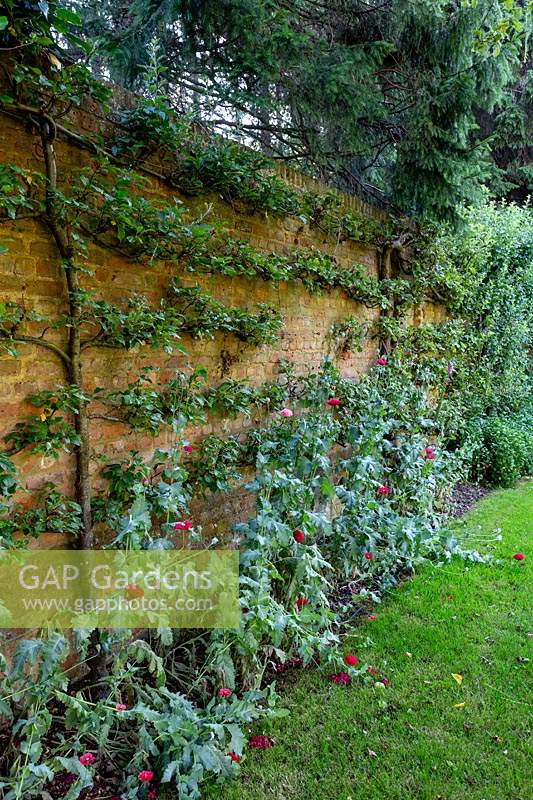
[(507, 452)]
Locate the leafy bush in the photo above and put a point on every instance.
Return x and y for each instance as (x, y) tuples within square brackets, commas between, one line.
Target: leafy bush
[(507, 451)]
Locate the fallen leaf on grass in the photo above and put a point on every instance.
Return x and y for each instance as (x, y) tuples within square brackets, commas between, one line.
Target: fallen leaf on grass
[(459, 705), (372, 753), (458, 678)]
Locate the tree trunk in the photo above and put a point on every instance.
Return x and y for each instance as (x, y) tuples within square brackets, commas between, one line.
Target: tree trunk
[(75, 372)]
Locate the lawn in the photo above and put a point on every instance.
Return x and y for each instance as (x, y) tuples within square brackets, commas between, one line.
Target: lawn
[(425, 735)]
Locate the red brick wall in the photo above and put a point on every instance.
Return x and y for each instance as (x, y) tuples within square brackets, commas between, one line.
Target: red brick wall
[(30, 274)]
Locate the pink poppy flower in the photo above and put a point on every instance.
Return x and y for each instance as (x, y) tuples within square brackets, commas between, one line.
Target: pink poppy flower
[(145, 775), (333, 401), (429, 453), (184, 525), (384, 490), (224, 692), (285, 412), (368, 555), (187, 448), (121, 707), (382, 361), (87, 759)]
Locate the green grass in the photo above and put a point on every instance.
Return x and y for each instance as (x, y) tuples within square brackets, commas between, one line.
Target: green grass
[(463, 618)]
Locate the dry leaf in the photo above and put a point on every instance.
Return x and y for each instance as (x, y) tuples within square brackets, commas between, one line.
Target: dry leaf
[(458, 678), (459, 705)]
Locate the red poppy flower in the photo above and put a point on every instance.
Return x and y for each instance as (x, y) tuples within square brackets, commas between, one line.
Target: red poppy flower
[(299, 536), (382, 361), (187, 448), (385, 681), (518, 556), (121, 707), (234, 757), (350, 660), (145, 775), (245, 609), (259, 742), (368, 555), (372, 617), (301, 602), (333, 401), (340, 677), (383, 490), (224, 692), (184, 525), (87, 759)]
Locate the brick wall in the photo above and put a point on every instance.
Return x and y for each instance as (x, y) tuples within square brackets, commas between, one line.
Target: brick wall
[(30, 273)]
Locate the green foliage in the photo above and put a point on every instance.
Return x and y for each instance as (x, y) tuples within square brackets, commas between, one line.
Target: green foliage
[(8, 481), (107, 203), (478, 363), (203, 316), (50, 512), (135, 323), (506, 452), (317, 271), (142, 500), (15, 185), (214, 466), (348, 336), (389, 100), (46, 435)]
